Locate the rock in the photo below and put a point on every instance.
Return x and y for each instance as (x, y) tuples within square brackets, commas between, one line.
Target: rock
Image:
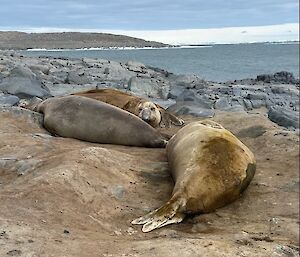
[(73, 77), (247, 104), (106, 71), (284, 77), (189, 81), (148, 88), (114, 71), (252, 132), (162, 102), (118, 191), (202, 101), (31, 116), (136, 66), (222, 104), (68, 197), (258, 103), (256, 96), (175, 91), (42, 68), (58, 75), (14, 252), (23, 83), (284, 117), (187, 108), (9, 100), (65, 89), (265, 78)]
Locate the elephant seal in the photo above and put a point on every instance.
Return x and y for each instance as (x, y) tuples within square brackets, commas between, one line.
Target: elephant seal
[(210, 167), (152, 113), (94, 121)]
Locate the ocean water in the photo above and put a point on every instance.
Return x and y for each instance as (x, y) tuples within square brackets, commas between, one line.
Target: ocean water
[(216, 63)]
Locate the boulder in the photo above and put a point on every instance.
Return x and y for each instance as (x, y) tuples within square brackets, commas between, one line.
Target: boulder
[(175, 91), (23, 83), (284, 117), (78, 78), (136, 66), (114, 71), (189, 108), (284, 77), (149, 87), (42, 68), (258, 103), (222, 104), (190, 96), (8, 100)]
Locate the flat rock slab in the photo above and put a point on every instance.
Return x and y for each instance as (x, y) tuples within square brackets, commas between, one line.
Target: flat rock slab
[(65, 197)]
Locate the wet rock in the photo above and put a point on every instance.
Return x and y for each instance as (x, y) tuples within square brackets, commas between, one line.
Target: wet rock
[(278, 77), (23, 83)]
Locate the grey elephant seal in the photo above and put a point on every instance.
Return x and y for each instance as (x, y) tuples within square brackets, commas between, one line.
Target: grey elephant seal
[(94, 121), (210, 167), (152, 113)]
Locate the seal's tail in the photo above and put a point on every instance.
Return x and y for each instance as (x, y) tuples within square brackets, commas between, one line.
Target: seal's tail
[(171, 212)]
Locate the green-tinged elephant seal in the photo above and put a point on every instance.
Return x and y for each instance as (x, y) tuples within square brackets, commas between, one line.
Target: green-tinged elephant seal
[(210, 167), (152, 113), (94, 121)]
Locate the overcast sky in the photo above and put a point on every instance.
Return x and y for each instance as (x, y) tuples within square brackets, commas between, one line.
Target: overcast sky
[(144, 15)]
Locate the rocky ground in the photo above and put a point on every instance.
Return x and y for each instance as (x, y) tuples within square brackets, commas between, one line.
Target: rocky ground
[(65, 197)]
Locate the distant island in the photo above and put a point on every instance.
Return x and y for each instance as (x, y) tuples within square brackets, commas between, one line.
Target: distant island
[(70, 40)]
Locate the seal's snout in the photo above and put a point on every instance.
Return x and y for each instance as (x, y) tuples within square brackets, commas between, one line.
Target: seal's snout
[(145, 114)]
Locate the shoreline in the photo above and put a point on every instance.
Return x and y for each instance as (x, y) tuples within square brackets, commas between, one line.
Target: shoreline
[(23, 77), (184, 46), (192, 46)]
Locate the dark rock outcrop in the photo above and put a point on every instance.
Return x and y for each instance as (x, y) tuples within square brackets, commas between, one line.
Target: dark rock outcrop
[(23, 82)]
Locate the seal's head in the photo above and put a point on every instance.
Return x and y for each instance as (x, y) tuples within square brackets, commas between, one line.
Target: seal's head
[(149, 113)]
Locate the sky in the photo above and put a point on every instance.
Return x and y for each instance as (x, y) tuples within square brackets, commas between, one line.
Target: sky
[(168, 21)]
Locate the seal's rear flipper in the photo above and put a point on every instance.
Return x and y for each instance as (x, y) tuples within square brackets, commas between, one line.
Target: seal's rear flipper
[(169, 213)]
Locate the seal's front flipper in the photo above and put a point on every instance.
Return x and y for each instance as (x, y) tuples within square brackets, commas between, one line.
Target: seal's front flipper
[(169, 213), (168, 118)]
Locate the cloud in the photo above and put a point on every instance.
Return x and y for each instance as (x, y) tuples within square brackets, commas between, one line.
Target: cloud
[(281, 32), (146, 14)]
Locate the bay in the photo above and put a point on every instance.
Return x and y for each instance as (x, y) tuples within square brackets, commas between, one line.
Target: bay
[(218, 63)]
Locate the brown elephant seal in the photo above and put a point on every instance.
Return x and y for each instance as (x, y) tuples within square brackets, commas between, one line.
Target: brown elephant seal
[(94, 121), (210, 167), (152, 113)]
